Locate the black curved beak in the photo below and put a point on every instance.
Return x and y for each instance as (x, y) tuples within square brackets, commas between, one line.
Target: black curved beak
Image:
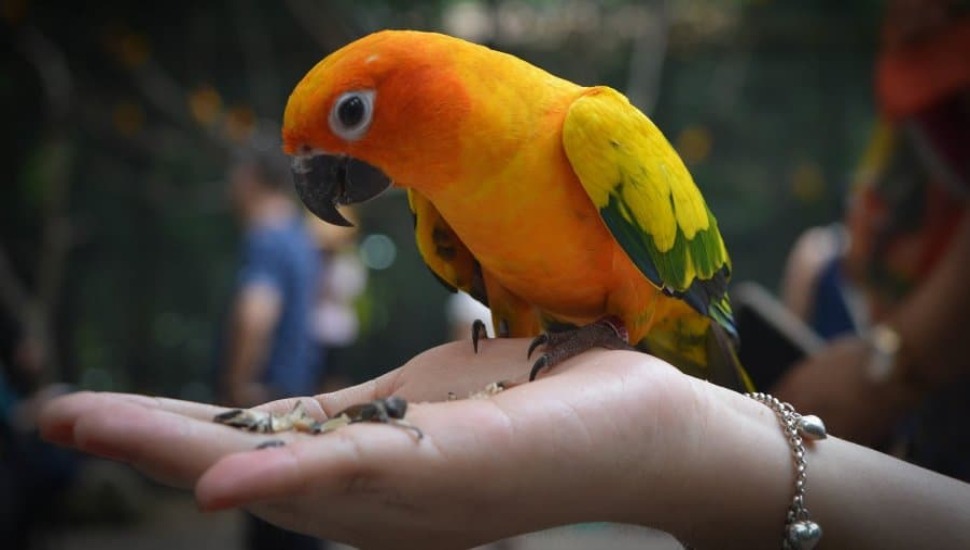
[(324, 182)]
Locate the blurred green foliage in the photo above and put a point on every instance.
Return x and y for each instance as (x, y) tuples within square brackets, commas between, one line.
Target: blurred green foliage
[(118, 117)]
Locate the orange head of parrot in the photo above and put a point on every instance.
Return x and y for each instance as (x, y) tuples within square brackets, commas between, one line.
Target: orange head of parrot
[(384, 108)]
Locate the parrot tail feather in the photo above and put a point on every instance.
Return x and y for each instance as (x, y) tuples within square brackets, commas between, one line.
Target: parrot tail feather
[(724, 367)]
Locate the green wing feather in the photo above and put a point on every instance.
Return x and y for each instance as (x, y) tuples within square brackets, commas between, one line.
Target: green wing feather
[(649, 201)]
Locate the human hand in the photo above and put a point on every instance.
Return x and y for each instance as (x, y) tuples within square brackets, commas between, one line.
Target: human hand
[(615, 436), (834, 385)]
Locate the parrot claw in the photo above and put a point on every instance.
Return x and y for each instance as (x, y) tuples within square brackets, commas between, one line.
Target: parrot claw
[(479, 333), (607, 333), (540, 364), (540, 340)]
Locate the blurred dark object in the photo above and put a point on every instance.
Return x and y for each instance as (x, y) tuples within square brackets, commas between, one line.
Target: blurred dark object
[(34, 475), (21, 358), (773, 339), (261, 535)]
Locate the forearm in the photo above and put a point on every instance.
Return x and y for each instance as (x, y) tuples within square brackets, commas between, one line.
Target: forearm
[(861, 498), (867, 499), (934, 351)]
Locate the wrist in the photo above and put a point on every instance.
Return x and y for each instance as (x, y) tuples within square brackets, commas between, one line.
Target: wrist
[(730, 481)]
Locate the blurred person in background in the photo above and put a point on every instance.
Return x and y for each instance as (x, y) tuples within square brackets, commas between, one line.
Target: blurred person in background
[(892, 290), (342, 280), (815, 285), (269, 350)]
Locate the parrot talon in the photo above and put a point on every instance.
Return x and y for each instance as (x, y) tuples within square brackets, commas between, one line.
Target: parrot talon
[(479, 332), (540, 340), (607, 333), (540, 364), (271, 444)]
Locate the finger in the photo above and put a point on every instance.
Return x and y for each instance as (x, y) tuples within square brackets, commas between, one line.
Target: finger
[(332, 403), (168, 446), (275, 473), (360, 458), (57, 418), (59, 415), (328, 464)]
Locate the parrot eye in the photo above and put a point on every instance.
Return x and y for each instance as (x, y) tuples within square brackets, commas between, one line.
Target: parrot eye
[(351, 114)]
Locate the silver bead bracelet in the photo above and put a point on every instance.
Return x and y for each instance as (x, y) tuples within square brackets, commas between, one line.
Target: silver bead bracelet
[(801, 533)]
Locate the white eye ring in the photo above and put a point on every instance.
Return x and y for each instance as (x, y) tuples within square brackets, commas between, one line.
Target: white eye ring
[(352, 113)]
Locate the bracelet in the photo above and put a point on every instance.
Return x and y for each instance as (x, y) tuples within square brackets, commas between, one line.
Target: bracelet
[(885, 344), (801, 533)]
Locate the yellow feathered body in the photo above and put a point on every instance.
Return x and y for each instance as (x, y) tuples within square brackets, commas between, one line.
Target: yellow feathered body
[(555, 204)]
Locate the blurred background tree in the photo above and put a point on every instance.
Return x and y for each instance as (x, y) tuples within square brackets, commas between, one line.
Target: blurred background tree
[(116, 241)]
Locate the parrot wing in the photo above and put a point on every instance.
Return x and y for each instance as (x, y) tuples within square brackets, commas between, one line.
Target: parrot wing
[(649, 201), (443, 251)]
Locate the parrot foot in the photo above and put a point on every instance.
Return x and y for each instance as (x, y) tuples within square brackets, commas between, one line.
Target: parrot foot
[(390, 410), (607, 333), (479, 332)]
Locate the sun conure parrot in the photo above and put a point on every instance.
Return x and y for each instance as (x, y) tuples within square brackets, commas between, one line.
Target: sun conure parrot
[(561, 207)]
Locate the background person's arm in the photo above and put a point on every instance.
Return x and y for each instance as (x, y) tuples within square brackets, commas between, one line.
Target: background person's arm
[(935, 349), (934, 323), (255, 315)]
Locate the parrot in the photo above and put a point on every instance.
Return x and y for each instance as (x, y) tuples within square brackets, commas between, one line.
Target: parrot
[(561, 207)]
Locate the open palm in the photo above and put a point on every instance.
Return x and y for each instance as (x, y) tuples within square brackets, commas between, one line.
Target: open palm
[(486, 468)]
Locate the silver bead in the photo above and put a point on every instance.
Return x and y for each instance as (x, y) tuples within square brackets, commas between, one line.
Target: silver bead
[(812, 427), (801, 533), (804, 535)]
